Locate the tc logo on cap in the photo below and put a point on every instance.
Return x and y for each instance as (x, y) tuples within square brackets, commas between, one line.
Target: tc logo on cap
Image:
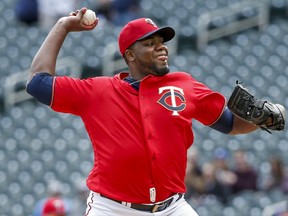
[(149, 21)]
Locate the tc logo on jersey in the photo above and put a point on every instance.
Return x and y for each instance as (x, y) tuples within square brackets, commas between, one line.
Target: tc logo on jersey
[(173, 99)]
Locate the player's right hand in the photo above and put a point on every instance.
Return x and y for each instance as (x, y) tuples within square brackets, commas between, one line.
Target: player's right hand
[(73, 22)]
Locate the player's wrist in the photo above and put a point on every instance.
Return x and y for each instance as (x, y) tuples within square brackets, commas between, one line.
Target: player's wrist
[(62, 25)]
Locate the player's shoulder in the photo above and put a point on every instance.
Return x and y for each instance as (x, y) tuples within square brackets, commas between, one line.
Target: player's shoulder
[(99, 79), (96, 83)]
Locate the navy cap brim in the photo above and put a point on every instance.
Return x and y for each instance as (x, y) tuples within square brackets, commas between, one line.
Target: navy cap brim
[(166, 32)]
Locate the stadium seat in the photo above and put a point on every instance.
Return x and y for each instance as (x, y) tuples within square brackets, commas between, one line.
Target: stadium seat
[(228, 210), (38, 145)]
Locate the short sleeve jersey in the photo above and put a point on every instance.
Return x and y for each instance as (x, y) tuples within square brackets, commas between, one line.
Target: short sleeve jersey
[(140, 138)]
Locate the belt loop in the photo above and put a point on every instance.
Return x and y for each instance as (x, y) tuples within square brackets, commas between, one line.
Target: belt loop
[(155, 208), (180, 195), (126, 204)]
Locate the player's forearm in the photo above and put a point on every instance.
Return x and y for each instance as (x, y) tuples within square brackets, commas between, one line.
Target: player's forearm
[(241, 126), (45, 59)]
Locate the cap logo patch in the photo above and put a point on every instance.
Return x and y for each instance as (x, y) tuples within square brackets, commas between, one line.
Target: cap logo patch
[(149, 21), (58, 205)]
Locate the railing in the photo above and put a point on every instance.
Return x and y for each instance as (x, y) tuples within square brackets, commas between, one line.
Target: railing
[(260, 19), (112, 61), (15, 84)]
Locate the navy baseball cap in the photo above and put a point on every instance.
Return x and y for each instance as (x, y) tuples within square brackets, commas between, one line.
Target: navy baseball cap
[(140, 29)]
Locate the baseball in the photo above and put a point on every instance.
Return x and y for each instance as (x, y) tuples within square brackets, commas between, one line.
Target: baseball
[(89, 17)]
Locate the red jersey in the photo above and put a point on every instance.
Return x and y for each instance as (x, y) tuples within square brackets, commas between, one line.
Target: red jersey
[(140, 138)]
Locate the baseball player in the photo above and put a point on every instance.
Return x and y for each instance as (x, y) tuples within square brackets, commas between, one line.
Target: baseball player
[(139, 121), (54, 206)]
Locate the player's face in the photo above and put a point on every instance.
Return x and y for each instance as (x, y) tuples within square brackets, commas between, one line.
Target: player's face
[(151, 56)]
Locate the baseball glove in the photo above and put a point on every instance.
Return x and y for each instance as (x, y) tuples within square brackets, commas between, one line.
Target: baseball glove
[(266, 115)]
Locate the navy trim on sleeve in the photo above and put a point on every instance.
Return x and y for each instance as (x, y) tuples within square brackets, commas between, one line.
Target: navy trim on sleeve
[(40, 87), (225, 122)]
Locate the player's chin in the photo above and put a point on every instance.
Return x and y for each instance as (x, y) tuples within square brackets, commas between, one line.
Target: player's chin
[(161, 71)]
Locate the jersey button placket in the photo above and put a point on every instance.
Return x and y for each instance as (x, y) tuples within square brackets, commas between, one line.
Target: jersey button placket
[(152, 156), (149, 136)]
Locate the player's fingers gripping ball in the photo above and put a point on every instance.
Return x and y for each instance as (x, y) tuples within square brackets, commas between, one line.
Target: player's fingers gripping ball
[(89, 17)]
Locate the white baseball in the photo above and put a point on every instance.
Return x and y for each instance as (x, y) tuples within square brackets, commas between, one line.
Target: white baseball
[(89, 17)]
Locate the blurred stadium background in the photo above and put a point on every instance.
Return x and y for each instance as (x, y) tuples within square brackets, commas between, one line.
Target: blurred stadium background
[(218, 42)]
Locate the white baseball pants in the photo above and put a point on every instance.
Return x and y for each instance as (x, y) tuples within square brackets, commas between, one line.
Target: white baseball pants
[(101, 206)]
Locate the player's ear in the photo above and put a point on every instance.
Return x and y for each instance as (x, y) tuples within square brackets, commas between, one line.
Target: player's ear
[(129, 54)]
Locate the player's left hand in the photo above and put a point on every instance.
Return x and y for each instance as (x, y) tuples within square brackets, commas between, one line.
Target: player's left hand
[(265, 114)]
